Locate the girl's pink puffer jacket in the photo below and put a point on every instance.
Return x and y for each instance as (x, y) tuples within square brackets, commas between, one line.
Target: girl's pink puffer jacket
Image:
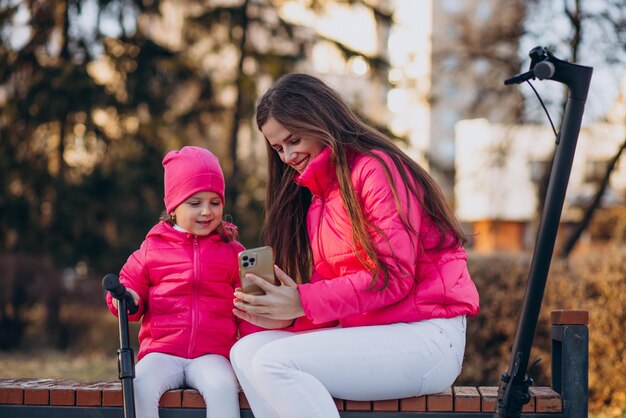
[(186, 286)]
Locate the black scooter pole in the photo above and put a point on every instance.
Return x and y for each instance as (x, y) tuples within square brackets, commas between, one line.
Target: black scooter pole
[(513, 390), (125, 355)]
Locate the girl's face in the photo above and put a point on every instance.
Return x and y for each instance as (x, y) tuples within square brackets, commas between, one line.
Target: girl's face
[(294, 151), (200, 214)]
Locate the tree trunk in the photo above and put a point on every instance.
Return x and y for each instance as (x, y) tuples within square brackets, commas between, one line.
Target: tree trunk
[(232, 185)]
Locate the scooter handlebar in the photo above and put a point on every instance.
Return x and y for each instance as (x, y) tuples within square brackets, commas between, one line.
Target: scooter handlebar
[(112, 284), (520, 78)]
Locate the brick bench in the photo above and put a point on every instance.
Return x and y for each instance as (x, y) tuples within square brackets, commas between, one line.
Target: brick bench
[(30, 398), (35, 397)]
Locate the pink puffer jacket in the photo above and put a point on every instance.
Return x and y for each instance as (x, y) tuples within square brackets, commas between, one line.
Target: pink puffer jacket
[(186, 286), (424, 283)]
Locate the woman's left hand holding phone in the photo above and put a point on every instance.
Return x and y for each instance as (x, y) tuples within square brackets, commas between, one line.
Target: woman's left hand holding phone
[(276, 309)]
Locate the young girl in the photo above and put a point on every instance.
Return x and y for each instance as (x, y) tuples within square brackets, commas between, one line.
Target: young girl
[(383, 288), (182, 278)]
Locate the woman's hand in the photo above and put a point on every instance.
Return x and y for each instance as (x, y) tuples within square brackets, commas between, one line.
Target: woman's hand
[(262, 321), (276, 309), (132, 293)]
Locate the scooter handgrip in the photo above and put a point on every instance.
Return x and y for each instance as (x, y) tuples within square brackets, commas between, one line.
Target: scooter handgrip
[(112, 283)]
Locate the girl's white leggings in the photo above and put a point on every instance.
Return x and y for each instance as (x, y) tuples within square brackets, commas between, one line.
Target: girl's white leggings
[(289, 375), (210, 374)]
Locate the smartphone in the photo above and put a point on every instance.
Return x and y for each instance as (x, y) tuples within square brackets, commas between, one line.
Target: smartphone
[(259, 261)]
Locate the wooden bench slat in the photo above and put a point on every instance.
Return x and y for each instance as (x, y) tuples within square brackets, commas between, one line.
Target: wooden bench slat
[(569, 317), (11, 392), (63, 392), (37, 391), (340, 404), (243, 401), (489, 395), (546, 399), (530, 406), (440, 402), (462, 399), (193, 399), (112, 394), (358, 405), (387, 405), (413, 404), (90, 394), (466, 399), (172, 399)]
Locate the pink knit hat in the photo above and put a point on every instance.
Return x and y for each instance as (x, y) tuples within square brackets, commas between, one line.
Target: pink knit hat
[(189, 171)]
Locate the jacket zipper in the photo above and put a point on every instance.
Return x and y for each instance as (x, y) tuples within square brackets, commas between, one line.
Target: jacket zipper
[(194, 296)]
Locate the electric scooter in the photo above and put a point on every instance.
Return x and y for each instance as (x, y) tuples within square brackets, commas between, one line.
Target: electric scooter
[(513, 390)]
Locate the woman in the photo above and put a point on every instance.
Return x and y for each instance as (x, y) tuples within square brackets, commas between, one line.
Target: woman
[(373, 266)]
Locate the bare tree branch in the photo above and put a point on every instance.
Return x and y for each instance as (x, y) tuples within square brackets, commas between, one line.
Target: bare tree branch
[(572, 240)]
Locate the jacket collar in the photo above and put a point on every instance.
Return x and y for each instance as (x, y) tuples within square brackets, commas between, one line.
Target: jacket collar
[(169, 233), (319, 174)]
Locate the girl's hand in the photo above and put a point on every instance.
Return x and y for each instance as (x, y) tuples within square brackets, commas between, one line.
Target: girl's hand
[(280, 304), (132, 293)]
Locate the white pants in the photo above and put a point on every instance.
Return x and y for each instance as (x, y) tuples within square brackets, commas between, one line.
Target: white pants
[(212, 375), (288, 375)]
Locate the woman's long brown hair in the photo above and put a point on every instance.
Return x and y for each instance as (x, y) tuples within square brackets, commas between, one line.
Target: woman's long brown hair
[(307, 107)]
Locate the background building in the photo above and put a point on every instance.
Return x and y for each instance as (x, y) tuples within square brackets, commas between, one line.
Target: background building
[(473, 52), (498, 170)]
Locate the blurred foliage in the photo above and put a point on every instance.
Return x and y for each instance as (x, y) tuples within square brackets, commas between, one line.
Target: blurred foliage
[(609, 225), (27, 283), (595, 282), (92, 95)]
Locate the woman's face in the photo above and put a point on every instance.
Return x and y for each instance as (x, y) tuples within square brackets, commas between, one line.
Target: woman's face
[(294, 151)]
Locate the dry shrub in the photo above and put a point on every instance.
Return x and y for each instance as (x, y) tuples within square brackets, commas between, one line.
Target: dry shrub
[(597, 283), (501, 281), (593, 282)]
